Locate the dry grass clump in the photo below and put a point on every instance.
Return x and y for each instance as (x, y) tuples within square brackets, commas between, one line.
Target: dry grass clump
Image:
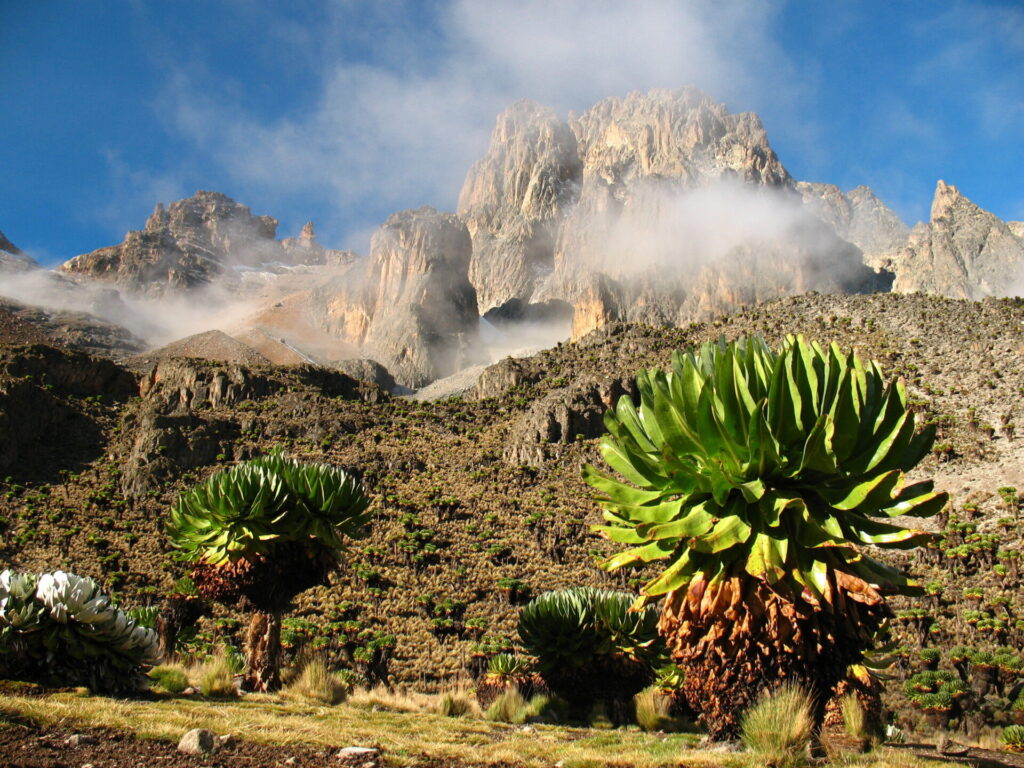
[(855, 720), (512, 707), (217, 678), (457, 703), (778, 727), (509, 707), (380, 699), (318, 684), (652, 710)]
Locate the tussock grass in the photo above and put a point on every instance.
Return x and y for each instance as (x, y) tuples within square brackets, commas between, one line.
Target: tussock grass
[(855, 721), (509, 707), (169, 678), (216, 678), (777, 728), (652, 710), (317, 684), (458, 703), (381, 699)]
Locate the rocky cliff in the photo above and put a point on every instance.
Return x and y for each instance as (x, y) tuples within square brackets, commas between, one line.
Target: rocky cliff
[(193, 241), (513, 200), (963, 252), (410, 305), (654, 207), (858, 217)]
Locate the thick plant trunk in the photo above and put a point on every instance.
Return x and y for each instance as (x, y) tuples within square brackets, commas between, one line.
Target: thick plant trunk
[(167, 632), (263, 652), (738, 637)]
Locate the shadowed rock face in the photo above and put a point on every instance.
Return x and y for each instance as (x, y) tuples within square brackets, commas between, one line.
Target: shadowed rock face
[(412, 307), (964, 252), (193, 241), (593, 212), (858, 217)]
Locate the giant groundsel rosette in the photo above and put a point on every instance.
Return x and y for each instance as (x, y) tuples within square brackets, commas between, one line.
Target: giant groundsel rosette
[(250, 508), (60, 629), (759, 481), (778, 464)]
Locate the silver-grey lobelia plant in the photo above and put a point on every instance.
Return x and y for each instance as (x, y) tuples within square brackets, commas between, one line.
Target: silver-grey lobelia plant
[(60, 629)]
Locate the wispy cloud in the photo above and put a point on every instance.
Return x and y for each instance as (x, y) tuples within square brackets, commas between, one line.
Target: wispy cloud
[(401, 127)]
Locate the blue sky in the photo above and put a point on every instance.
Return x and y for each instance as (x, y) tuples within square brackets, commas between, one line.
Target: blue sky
[(342, 112)]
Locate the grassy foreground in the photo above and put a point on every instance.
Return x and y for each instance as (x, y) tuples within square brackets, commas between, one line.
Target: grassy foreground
[(405, 738)]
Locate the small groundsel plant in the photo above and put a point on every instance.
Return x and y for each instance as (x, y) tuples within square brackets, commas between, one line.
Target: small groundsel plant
[(1013, 738), (60, 629), (778, 727), (589, 644)]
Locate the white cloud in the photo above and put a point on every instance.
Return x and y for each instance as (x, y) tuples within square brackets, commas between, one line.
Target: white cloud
[(403, 130)]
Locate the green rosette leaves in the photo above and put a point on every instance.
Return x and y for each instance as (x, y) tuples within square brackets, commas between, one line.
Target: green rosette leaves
[(250, 508), (786, 465)]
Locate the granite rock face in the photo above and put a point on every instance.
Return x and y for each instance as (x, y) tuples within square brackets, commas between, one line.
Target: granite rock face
[(191, 242), (513, 200), (600, 212), (858, 217), (963, 252), (410, 305)]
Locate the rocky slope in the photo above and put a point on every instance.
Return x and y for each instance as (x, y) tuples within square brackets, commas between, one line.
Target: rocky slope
[(478, 500), (964, 252), (77, 331), (12, 259)]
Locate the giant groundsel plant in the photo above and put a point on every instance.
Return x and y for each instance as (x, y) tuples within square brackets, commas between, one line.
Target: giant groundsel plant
[(760, 480), (264, 531)]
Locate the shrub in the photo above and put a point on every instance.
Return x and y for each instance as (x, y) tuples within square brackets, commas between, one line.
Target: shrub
[(778, 727), (170, 679), (60, 629), (317, 684)]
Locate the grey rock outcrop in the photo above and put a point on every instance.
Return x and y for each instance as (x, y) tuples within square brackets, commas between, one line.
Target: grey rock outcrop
[(193, 241), (411, 307), (563, 416), (963, 252), (858, 217), (512, 201)]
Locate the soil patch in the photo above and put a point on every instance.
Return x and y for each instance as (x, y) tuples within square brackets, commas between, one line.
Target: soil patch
[(24, 745)]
